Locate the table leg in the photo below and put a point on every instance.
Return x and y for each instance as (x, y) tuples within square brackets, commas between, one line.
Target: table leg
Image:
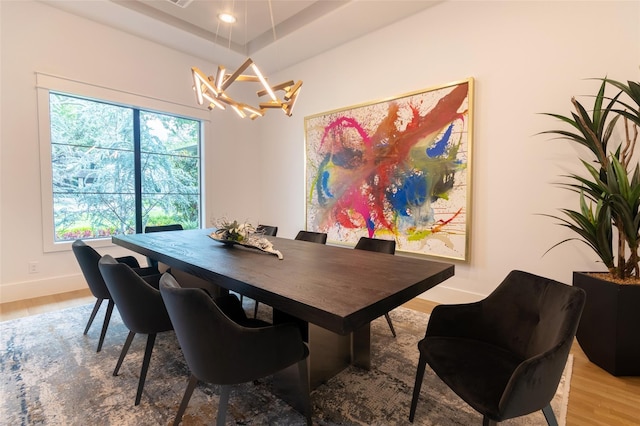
[(329, 354), (361, 347)]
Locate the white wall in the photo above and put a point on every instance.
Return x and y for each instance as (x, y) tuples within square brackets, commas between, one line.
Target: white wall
[(526, 57), (39, 38)]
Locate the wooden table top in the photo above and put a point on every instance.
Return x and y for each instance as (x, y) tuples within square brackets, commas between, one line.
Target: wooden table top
[(337, 288)]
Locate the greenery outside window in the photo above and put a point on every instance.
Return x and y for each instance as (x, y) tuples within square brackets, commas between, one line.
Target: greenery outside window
[(116, 169)]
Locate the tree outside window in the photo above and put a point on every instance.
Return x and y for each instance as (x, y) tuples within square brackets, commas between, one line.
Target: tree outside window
[(117, 169)]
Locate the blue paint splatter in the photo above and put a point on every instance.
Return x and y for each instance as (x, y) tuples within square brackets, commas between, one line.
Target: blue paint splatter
[(322, 184), (438, 149), (325, 184), (413, 192)]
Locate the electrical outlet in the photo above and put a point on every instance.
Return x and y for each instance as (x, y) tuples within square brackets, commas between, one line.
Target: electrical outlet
[(33, 267)]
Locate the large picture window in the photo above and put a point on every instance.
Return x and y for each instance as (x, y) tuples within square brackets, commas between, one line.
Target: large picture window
[(117, 169), (114, 161)]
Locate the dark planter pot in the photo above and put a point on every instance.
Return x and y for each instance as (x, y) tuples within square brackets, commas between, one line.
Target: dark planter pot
[(609, 330)]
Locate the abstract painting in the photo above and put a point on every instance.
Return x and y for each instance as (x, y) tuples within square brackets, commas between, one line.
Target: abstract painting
[(395, 169)]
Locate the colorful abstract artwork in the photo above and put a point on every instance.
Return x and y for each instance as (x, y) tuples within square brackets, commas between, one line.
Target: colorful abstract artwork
[(396, 169)]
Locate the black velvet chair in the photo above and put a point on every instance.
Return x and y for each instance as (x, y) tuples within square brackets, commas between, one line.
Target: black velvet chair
[(504, 355), (380, 246), (222, 352), (314, 237), (88, 258), (141, 307), (267, 230), (160, 228)]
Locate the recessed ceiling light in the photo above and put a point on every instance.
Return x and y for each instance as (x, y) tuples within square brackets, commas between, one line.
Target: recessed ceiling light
[(227, 18)]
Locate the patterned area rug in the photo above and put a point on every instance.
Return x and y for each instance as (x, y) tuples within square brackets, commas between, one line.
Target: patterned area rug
[(52, 375)]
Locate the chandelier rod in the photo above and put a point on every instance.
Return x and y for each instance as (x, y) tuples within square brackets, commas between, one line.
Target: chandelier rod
[(214, 89), (273, 25)]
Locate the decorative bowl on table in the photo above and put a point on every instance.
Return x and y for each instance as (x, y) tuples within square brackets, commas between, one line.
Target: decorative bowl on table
[(243, 234)]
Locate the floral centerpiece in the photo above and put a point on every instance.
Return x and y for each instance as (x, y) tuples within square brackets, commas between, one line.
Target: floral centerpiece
[(244, 234), (234, 231)]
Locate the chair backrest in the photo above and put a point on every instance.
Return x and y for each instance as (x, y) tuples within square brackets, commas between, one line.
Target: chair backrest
[(376, 244), (88, 260), (269, 230), (528, 314), (314, 237), (140, 304), (160, 228), (217, 349), (536, 318)]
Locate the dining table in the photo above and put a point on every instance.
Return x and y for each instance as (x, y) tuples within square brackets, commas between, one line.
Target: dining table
[(332, 292)]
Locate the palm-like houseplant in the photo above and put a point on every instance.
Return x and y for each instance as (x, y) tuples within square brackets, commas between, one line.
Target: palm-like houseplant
[(608, 221)]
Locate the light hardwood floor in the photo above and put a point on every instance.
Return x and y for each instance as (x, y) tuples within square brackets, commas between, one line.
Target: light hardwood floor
[(595, 398)]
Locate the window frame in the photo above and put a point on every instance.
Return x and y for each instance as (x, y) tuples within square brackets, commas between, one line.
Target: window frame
[(46, 83)]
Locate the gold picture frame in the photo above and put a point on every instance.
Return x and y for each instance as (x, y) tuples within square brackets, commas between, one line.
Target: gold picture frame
[(394, 169)]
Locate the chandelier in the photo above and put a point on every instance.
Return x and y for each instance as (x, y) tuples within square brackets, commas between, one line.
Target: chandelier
[(213, 89)]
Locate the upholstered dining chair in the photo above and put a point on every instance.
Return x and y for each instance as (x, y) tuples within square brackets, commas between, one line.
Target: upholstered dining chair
[(141, 307), (504, 355), (223, 352), (267, 230), (160, 228), (314, 237), (380, 246), (88, 258)]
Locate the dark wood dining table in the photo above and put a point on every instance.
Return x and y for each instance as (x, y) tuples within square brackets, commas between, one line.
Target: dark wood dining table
[(332, 292)]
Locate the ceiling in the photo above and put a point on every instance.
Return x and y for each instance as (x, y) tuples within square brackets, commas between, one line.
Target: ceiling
[(275, 34), (253, 29)]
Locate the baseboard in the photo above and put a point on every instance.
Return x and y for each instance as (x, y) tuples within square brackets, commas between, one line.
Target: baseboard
[(38, 288), (448, 295)]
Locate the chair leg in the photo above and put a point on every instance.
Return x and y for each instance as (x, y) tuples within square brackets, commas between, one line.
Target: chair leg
[(105, 324), (151, 339), (393, 331), (93, 314), (222, 406), (193, 381), (255, 309), (486, 421), (422, 364), (303, 371), (124, 351), (548, 414)]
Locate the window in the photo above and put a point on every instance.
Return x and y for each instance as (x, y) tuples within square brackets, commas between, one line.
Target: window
[(116, 168)]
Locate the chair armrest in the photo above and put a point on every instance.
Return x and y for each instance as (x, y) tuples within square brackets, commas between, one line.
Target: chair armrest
[(128, 260), (147, 270), (454, 320), (283, 338), (152, 280), (267, 350), (534, 383)]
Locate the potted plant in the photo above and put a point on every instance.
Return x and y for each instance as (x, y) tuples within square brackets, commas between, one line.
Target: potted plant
[(608, 221)]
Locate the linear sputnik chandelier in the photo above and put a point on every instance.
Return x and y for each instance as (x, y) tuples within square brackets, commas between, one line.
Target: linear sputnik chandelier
[(213, 90)]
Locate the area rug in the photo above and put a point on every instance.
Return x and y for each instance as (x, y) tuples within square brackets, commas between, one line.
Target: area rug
[(52, 375)]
